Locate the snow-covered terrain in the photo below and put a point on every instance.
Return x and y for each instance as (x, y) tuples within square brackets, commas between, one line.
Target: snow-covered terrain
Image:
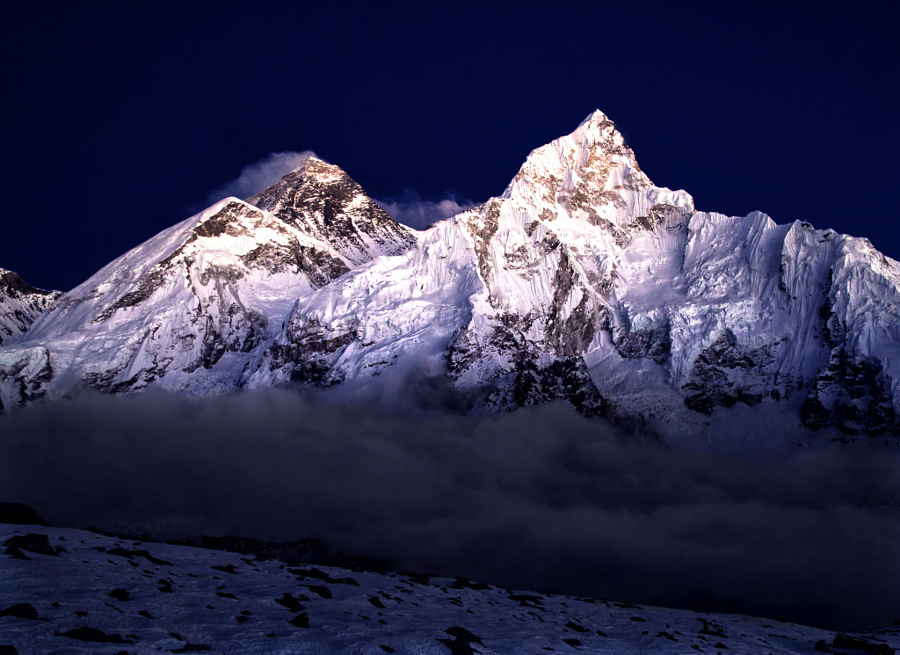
[(583, 281), (65, 590), (23, 374), (190, 307), (20, 306)]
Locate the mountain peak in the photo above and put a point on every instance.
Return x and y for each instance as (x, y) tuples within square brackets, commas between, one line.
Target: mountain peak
[(13, 285), (598, 130), (318, 168), (20, 305), (595, 119), (594, 154), (326, 203)]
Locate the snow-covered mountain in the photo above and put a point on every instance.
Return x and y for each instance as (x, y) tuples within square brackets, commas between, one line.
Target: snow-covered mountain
[(21, 377), (20, 306), (189, 308), (586, 282), (583, 281)]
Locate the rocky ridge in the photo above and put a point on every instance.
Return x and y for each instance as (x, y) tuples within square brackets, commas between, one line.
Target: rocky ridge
[(20, 306)]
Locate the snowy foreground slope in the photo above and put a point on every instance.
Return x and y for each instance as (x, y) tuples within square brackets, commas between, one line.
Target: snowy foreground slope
[(584, 281), (71, 591)]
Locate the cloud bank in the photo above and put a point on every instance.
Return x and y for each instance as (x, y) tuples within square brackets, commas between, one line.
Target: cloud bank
[(411, 210), (539, 499), (260, 175)]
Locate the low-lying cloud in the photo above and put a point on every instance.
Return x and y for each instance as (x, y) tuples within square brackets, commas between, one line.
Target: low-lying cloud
[(261, 175), (539, 499), (411, 210)]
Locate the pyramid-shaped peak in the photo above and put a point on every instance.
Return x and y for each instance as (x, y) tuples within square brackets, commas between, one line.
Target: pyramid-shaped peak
[(597, 128), (323, 201), (596, 134), (317, 167), (312, 172), (596, 119), (313, 162), (592, 150)]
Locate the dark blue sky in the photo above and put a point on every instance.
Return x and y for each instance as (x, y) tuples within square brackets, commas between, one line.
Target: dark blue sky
[(118, 118)]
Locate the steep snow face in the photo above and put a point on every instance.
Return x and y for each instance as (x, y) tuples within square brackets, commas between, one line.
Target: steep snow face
[(575, 228), (20, 306), (359, 325), (190, 307), (857, 389)]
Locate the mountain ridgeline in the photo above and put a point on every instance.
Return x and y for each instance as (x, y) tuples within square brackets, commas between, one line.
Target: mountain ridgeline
[(582, 282)]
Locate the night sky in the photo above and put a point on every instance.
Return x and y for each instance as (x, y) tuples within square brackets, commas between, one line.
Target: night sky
[(119, 119)]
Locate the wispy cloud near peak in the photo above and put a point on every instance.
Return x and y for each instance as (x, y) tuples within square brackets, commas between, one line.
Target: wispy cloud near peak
[(411, 210), (261, 174)]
